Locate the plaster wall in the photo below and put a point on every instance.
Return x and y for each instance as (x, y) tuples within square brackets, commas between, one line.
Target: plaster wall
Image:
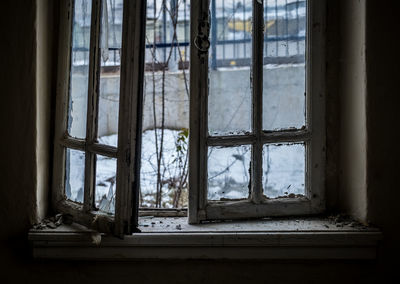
[(44, 75), (352, 92), (18, 168)]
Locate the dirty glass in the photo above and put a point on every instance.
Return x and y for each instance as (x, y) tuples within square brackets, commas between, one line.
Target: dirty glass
[(74, 175), (284, 64), (106, 172), (110, 63), (229, 100), (79, 73), (283, 170), (228, 172), (164, 161)]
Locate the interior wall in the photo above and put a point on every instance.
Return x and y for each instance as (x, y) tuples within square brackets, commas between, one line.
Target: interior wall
[(352, 92), (383, 102), (19, 163), (18, 122), (44, 91)]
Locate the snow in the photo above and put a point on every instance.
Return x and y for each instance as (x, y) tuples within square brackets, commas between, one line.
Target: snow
[(170, 168)]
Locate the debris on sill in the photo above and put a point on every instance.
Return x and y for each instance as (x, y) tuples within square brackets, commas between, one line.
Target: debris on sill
[(341, 220), (54, 222), (64, 219)]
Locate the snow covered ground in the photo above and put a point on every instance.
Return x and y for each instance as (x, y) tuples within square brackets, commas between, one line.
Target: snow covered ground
[(228, 173)]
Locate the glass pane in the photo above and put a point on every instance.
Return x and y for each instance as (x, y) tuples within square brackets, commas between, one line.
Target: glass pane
[(228, 172), (75, 175), (284, 65), (229, 100), (283, 170), (79, 75), (106, 172), (110, 61), (166, 105)]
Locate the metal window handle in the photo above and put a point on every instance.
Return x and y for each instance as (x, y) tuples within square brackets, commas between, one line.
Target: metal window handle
[(202, 43)]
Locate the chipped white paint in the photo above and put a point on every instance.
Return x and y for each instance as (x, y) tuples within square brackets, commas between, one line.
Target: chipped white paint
[(313, 135)]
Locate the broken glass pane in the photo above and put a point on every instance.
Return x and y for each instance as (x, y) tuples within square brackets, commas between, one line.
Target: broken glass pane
[(284, 65), (106, 172), (164, 161), (78, 89), (74, 175), (228, 172), (283, 170), (229, 100), (110, 61)]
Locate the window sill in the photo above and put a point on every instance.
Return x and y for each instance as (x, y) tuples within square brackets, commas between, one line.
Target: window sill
[(173, 238)]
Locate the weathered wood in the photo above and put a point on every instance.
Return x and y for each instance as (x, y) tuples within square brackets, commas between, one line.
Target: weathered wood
[(233, 140), (257, 100), (104, 150), (62, 141), (198, 111), (313, 134), (92, 105), (130, 117), (315, 168), (64, 56), (270, 224)]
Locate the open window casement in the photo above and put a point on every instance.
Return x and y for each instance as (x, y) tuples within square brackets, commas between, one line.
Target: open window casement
[(90, 50), (236, 140)]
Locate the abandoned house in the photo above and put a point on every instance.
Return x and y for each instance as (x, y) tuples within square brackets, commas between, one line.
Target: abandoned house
[(199, 141)]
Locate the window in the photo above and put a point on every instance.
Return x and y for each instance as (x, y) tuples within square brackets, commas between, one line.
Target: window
[(271, 155), (233, 153)]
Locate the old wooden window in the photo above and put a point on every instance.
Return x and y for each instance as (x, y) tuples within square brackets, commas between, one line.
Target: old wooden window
[(257, 146), (101, 46), (94, 54)]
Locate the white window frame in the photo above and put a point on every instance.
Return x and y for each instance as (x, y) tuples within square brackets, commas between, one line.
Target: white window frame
[(128, 161), (313, 135), (125, 220)]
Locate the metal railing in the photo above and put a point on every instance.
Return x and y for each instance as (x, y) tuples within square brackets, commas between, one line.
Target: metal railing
[(230, 35)]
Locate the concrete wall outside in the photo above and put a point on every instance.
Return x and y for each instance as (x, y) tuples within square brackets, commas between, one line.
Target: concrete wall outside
[(283, 90)]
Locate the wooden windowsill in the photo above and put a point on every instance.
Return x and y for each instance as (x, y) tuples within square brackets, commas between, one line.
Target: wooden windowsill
[(173, 238)]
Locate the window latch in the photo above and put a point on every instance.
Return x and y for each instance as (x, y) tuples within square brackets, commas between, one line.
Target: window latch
[(202, 41)]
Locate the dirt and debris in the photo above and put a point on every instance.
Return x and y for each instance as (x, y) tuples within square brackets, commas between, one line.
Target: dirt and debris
[(54, 222), (341, 220)]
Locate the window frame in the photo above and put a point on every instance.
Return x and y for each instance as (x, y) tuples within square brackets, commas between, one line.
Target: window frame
[(124, 221), (313, 135)]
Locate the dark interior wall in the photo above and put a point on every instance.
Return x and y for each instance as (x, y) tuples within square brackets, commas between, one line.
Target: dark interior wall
[(383, 102), (19, 174), (18, 111)]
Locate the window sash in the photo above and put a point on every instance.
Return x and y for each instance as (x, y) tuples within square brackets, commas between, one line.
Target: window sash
[(128, 160), (313, 135)]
